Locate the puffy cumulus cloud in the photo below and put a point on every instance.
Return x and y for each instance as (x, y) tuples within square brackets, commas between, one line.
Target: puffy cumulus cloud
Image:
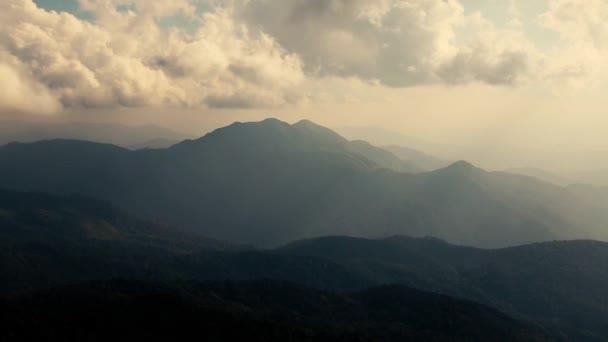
[(20, 93), (237, 67), (492, 55), (75, 60), (582, 57), (266, 53), (579, 21), (124, 58), (397, 42)]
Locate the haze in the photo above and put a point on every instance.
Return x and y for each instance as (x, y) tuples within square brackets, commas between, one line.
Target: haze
[(303, 170), (503, 84)]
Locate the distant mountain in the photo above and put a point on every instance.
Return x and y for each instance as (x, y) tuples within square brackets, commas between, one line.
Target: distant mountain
[(593, 195), (50, 241), (135, 137), (379, 136), (593, 177), (461, 204), (561, 284), (269, 182), (421, 160), (154, 143), (542, 175), (252, 311)]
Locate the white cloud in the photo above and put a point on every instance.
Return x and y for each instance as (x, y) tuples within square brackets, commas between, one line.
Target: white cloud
[(582, 57), (496, 56), (125, 59), (267, 53), (400, 43), (21, 93)]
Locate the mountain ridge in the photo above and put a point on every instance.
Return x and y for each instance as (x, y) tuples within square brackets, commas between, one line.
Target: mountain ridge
[(270, 182), (116, 134), (48, 241)]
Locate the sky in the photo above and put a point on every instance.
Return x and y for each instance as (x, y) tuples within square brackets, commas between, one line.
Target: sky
[(515, 83)]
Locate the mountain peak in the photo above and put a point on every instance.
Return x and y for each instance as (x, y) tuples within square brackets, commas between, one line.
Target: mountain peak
[(319, 132), (238, 130), (273, 121), (311, 126), (306, 123), (460, 167)]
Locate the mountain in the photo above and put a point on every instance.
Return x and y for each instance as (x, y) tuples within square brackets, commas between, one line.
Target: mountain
[(277, 139), (460, 203), (421, 160), (379, 136), (543, 175), (561, 284), (44, 218), (154, 143), (48, 241), (254, 311), (269, 183), (135, 137), (594, 177)]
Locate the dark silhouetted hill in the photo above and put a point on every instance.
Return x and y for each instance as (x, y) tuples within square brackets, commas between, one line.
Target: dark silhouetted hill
[(562, 284), (252, 311)]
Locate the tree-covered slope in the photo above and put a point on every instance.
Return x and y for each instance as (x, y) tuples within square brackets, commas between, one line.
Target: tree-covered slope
[(562, 284), (252, 311)]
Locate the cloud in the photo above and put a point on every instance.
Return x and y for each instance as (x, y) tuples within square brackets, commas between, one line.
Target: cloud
[(124, 58), (582, 57), (399, 43), (270, 53), (21, 94), (491, 55)]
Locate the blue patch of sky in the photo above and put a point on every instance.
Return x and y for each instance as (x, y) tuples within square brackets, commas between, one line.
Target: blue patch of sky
[(70, 6), (497, 11), (126, 8), (178, 21), (173, 21), (181, 21), (531, 10)]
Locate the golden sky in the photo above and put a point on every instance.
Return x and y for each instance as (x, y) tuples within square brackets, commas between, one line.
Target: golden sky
[(507, 81)]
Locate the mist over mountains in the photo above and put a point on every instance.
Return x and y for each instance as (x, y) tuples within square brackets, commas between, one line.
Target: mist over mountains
[(132, 137), (352, 229), (434, 171), (269, 182)]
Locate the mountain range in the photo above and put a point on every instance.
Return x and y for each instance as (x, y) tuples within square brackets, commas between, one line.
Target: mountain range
[(52, 242), (422, 160), (561, 284), (268, 183), (132, 137)]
